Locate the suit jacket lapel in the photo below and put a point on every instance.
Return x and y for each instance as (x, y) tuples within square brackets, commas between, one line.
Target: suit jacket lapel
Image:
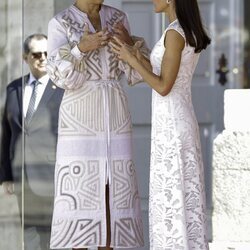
[(20, 90), (47, 94)]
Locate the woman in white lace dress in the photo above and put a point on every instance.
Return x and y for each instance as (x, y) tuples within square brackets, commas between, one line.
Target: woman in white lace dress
[(177, 199), (96, 195)]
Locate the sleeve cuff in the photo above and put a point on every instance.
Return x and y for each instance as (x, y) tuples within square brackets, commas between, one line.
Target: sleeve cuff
[(77, 53)]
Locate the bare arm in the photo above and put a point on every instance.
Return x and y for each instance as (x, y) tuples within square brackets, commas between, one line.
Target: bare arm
[(143, 60), (174, 44)]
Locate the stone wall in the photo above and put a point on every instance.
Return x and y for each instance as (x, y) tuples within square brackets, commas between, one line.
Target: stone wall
[(231, 172), (231, 187), (10, 43)]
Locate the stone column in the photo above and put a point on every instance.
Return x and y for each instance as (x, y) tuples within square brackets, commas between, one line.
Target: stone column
[(231, 173), (10, 43), (10, 68), (36, 16)]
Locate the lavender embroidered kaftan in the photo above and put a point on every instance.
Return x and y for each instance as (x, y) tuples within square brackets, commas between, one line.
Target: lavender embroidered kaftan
[(94, 144)]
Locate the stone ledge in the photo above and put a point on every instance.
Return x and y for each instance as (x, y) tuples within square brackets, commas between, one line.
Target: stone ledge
[(232, 151), (231, 187)]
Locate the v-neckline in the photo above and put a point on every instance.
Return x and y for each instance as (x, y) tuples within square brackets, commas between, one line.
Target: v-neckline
[(91, 26)]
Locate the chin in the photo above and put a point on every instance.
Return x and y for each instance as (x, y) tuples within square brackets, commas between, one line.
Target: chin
[(157, 10), (42, 69)]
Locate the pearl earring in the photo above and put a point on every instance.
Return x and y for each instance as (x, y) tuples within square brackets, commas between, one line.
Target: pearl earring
[(168, 1)]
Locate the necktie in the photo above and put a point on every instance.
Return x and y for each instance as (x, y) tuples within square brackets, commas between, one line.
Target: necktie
[(31, 107)]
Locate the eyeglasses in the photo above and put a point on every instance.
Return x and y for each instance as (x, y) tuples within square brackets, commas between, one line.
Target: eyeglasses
[(38, 55)]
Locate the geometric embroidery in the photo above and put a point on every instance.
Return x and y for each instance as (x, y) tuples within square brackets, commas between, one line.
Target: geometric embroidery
[(94, 109)]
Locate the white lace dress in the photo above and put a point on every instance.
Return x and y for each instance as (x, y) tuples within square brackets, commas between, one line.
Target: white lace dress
[(177, 200)]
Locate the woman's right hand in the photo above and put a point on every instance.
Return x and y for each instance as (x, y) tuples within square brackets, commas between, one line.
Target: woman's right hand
[(123, 51), (8, 187), (91, 41)]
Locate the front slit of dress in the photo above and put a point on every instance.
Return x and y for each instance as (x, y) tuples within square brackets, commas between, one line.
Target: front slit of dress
[(105, 89)]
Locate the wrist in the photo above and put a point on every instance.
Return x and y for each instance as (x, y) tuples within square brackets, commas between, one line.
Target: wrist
[(133, 61), (81, 48)]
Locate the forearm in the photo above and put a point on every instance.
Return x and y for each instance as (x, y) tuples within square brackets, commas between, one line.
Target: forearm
[(131, 73), (153, 80), (144, 61), (142, 52)]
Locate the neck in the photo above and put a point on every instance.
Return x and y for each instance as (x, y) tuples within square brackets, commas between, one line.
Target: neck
[(170, 13), (39, 75), (171, 18), (88, 8)]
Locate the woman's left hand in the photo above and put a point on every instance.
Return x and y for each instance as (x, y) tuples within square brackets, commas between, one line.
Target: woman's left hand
[(124, 52)]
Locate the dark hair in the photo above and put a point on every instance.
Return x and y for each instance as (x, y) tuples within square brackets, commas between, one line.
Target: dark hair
[(188, 14), (26, 44)]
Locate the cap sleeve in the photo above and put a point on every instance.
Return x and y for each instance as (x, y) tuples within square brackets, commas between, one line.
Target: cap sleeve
[(175, 25)]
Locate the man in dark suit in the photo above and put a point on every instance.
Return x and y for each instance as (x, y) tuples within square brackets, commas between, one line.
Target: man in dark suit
[(28, 143)]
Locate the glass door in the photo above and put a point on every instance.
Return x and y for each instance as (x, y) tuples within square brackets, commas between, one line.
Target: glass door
[(10, 69), (40, 127)]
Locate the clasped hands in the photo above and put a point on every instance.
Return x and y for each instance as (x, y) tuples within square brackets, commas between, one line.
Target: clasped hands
[(119, 39)]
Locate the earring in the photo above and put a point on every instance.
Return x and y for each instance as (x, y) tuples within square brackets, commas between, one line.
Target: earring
[(168, 1)]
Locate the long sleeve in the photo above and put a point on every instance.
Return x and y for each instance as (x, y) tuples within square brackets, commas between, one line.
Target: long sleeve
[(132, 75), (66, 65), (5, 167)]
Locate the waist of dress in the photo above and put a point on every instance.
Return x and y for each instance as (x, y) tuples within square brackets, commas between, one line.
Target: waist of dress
[(104, 83)]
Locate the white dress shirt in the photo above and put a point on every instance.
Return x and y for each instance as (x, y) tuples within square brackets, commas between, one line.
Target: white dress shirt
[(29, 88)]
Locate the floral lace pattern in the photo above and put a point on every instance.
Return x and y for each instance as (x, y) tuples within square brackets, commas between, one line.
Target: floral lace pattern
[(177, 200)]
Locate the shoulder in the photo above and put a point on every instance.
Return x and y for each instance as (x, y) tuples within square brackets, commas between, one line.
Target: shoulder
[(16, 83), (55, 88), (61, 16), (64, 12), (113, 14), (174, 37), (111, 9), (175, 25)]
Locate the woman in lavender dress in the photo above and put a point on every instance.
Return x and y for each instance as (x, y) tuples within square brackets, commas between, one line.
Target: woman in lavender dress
[(96, 195)]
